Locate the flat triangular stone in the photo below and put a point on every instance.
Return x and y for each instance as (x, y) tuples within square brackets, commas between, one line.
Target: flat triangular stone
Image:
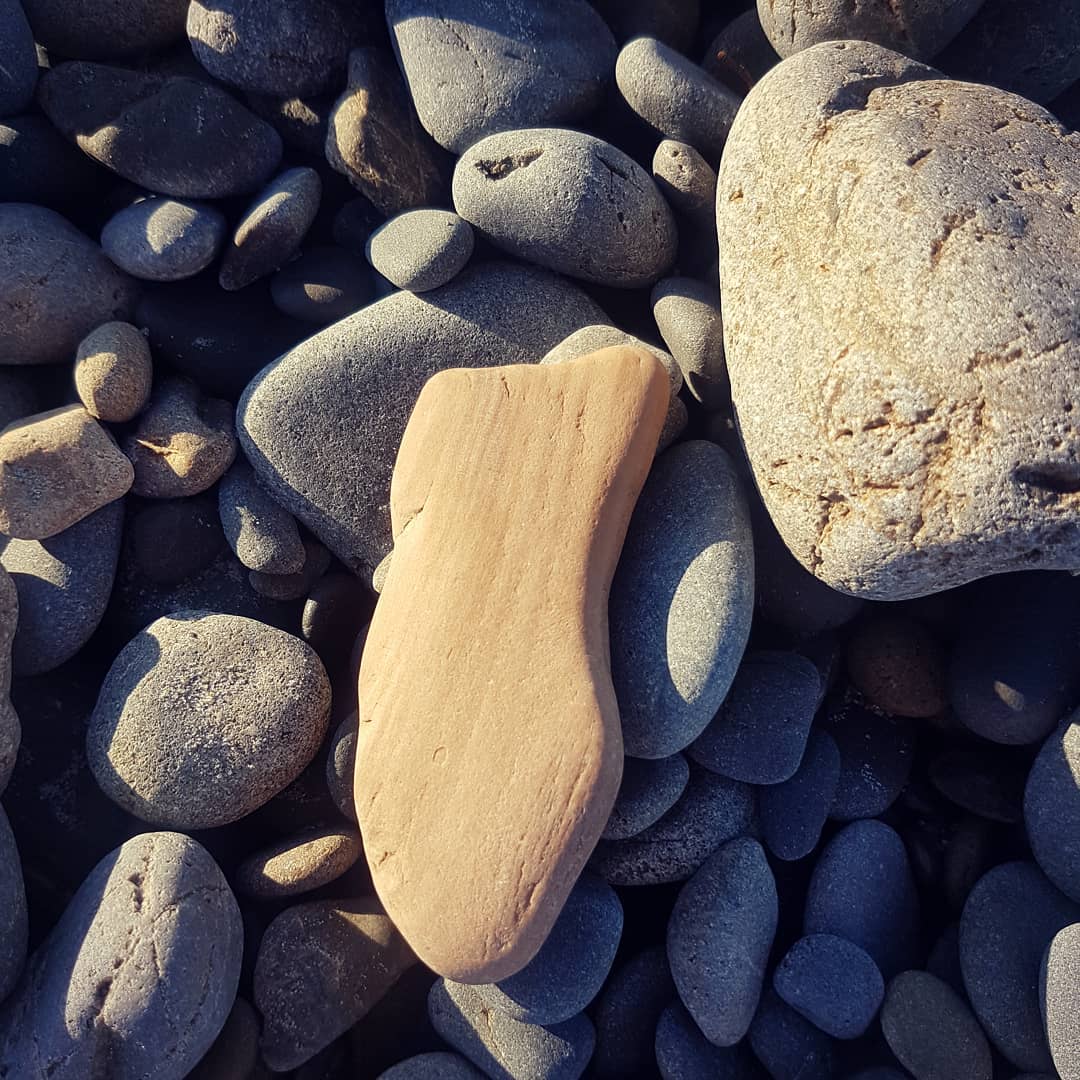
[(490, 753)]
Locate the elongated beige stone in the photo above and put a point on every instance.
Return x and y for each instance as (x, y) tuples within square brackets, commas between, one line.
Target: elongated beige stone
[(489, 752)]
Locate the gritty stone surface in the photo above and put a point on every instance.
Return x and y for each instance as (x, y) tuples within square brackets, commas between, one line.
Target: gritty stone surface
[(164, 239), (911, 440), (787, 1044), (898, 665), (683, 1052), (437, 1065), (1058, 982), (236, 1048), (113, 372), (421, 249), (687, 313), (262, 534), (299, 864), (1052, 807), (649, 789)]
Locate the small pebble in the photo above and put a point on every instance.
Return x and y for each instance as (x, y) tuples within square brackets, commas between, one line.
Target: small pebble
[(159, 239), (683, 1053), (897, 665), (113, 372), (299, 864), (341, 766), (790, 1047), (337, 605), (174, 539), (323, 285), (687, 313), (688, 183), (833, 983), (302, 123), (1059, 981), (649, 789), (297, 585), (1052, 808), (262, 534), (420, 250), (740, 54)]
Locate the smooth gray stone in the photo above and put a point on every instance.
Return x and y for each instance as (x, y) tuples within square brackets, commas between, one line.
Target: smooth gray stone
[(437, 1065), (719, 937), (788, 1045), (420, 250), (681, 600), (568, 201), (64, 584), (1009, 919), (18, 59), (1059, 987), (141, 971), (504, 1048), (572, 964), (479, 66), (341, 766), (649, 789), (14, 926), (683, 1053), (55, 286), (688, 183), (794, 813), (346, 393), (1052, 807), (125, 28), (687, 313), (833, 983), (262, 534), (159, 239)]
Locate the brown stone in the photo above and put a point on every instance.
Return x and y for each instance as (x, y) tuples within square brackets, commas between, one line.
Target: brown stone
[(113, 371), (489, 752), (898, 665), (55, 469), (299, 864), (10, 729)]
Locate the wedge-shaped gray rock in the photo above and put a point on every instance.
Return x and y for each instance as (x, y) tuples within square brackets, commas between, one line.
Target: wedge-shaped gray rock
[(899, 295), (140, 972)]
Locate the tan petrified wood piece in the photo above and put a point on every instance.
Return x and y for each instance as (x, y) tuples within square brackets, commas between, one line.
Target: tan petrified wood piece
[(489, 752)]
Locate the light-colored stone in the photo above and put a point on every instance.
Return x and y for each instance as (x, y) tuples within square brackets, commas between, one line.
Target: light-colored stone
[(899, 288), (55, 469), (489, 753), (299, 864), (113, 371)]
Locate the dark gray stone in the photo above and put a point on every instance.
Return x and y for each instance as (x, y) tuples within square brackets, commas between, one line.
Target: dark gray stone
[(862, 890), (262, 534), (475, 67), (270, 232), (235, 1050), (688, 183), (204, 717), (341, 766), (1059, 980), (174, 539), (672, 21), (944, 959), (55, 286), (681, 599), (833, 983), (649, 789), (683, 1053), (19, 396), (687, 313), (436, 1065), (984, 780), (323, 285), (793, 813), (760, 733), (170, 134), (505, 1048), (10, 728), (719, 937), (302, 123), (572, 964), (164, 239), (1052, 808), (420, 250), (1008, 921), (711, 810), (337, 606), (297, 585), (18, 59), (346, 393), (64, 585), (740, 54), (140, 972), (568, 201), (71, 28), (13, 918), (789, 1046)]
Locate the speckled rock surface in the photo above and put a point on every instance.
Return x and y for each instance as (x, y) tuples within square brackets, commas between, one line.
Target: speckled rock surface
[(164, 239), (1058, 977), (421, 249), (649, 789), (263, 534), (299, 864), (113, 372), (887, 478), (1052, 807), (627, 1012)]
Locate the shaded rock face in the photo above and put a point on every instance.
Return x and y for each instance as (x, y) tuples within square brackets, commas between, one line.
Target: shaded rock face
[(901, 326)]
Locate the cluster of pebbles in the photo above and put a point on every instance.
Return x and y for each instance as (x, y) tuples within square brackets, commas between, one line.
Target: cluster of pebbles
[(237, 239)]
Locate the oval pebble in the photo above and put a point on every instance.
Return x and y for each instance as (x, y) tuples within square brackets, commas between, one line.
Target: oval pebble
[(688, 183), (832, 982), (204, 717), (897, 665), (420, 250), (793, 813), (932, 1031), (505, 1048), (297, 585), (683, 1053), (789, 1046), (572, 964), (1052, 808), (612, 226), (299, 864), (719, 937), (341, 766), (437, 1065), (649, 789), (681, 599), (159, 239), (113, 372), (862, 889), (687, 313), (760, 733), (321, 286), (1059, 980), (154, 937), (262, 534), (711, 810), (1010, 918)]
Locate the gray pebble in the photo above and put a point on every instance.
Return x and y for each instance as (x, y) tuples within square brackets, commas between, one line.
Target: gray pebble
[(421, 249), (1059, 980), (323, 285), (675, 96), (793, 813), (931, 1030), (341, 766), (760, 733), (1009, 919), (113, 372), (687, 313), (833, 983), (262, 534), (789, 1046), (437, 1065), (146, 957), (55, 286), (203, 717), (10, 728), (105, 32), (14, 926), (681, 600), (572, 964), (649, 789), (297, 585), (173, 539), (297, 418), (18, 59), (711, 810), (1052, 808), (568, 201), (160, 239), (740, 54), (688, 183), (337, 605), (270, 231), (683, 1052), (862, 889), (719, 937), (479, 66), (64, 584)]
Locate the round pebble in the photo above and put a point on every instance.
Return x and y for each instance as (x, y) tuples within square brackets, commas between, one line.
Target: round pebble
[(299, 864), (898, 666), (174, 539), (1052, 808), (421, 249), (649, 789), (202, 718), (113, 372), (262, 534), (833, 983), (688, 183), (788, 1045), (683, 1053), (297, 585), (719, 937), (321, 286), (164, 239)]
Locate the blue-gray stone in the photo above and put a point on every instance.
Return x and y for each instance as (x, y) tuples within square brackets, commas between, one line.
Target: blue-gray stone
[(790, 1047), (719, 936), (649, 789), (681, 600), (262, 534), (18, 59), (420, 250), (13, 918), (436, 1065), (159, 239), (793, 813), (683, 1053), (1052, 807)]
